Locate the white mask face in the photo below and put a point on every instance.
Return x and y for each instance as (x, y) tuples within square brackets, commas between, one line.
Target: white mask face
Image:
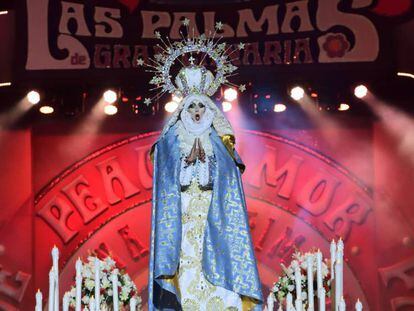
[(196, 110)]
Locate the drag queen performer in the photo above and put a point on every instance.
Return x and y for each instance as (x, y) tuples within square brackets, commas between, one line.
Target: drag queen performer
[(201, 254)]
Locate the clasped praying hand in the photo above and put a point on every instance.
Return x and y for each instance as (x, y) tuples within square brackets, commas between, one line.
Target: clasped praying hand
[(197, 152)]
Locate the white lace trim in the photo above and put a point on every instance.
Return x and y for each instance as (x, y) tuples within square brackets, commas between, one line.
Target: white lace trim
[(199, 170), (186, 173), (186, 140)]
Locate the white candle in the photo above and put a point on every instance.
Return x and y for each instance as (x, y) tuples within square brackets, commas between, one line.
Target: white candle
[(55, 260), (270, 303), (309, 268), (322, 295), (39, 298), (289, 303), (92, 305), (340, 246), (114, 277), (333, 258), (298, 279), (319, 271), (78, 285), (358, 305), (65, 302), (340, 257), (339, 274), (342, 305), (132, 304), (338, 267), (97, 283), (52, 279)]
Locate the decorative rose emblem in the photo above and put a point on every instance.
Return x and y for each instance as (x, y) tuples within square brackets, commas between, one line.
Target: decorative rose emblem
[(336, 45)]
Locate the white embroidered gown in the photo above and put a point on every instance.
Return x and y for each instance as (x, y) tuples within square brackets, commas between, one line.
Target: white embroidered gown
[(197, 293)]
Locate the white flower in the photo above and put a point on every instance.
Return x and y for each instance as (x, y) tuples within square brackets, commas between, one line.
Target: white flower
[(125, 290), (124, 296), (304, 296), (85, 299), (291, 288), (105, 282), (73, 292), (90, 284)]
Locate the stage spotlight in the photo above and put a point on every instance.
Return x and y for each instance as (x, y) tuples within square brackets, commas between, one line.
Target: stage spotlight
[(361, 91), (46, 109), (279, 108), (226, 106), (297, 93), (177, 99), (230, 94), (3, 84), (171, 106), (110, 109), (343, 107), (110, 96), (33, 97)]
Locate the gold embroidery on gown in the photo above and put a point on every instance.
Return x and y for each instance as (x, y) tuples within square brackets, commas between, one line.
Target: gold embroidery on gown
[(197, 293)]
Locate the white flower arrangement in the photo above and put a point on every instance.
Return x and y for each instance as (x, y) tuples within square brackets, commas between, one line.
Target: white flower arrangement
[(126, 287), (286, 283)]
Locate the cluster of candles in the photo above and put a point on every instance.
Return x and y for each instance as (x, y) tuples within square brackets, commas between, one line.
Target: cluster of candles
[(94, 302), (337, 277)]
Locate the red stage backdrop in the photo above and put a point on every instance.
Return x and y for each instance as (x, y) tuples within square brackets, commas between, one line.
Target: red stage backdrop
[(92, 192), (85, 189)]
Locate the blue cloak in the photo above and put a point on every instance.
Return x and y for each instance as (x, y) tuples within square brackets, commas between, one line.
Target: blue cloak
[(228, 257)]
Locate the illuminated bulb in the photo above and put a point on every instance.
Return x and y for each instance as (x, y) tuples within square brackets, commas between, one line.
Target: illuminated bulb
[(110, 96), (110, 110), (171, 106), (361, 91), (297, 93), (227, 106), (343, 107), (33, 97), (279, 108), (46, 109), (176, 98), (230, 94)]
